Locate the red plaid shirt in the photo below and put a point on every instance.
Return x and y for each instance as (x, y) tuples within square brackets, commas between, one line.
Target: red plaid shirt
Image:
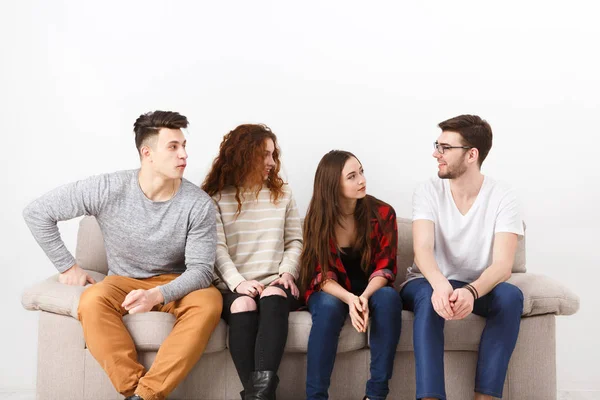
[(383, 253)]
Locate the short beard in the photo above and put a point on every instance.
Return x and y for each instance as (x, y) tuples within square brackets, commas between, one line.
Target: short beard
[(453, 173)]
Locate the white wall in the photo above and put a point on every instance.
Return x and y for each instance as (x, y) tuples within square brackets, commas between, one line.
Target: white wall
[(371, 77)]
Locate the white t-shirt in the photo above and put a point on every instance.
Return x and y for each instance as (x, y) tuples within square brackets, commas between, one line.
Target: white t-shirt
[(464, 243)]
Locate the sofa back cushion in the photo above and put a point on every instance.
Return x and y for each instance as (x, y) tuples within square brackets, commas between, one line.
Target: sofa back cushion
[(91, 255)]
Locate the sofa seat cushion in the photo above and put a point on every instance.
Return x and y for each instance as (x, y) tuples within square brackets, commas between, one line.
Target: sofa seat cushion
[(149, 330), (300, 323), (52, 296)]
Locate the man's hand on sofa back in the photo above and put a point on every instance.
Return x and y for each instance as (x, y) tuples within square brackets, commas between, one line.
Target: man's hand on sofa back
[(75, 276)]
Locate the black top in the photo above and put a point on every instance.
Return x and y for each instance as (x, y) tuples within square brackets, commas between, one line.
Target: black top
[(351, 261)]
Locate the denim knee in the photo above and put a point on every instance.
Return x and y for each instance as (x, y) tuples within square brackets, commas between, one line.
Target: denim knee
[(324, 306), (387, 297), (507, 298), (422, 299)]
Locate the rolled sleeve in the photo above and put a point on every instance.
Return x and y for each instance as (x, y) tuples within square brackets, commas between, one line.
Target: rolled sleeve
[(318, 281), (384, 273)]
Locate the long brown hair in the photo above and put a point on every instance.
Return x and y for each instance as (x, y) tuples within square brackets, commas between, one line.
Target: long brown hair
[(240, 163), (324, 213)]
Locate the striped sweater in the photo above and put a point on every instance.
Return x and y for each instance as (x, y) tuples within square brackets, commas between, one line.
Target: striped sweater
[(262, 242)]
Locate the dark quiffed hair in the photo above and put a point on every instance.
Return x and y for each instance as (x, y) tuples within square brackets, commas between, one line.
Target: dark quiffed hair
[(476, 132), (148, 125)]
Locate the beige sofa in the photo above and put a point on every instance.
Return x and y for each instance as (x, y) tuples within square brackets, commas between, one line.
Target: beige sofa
[(66, 369)]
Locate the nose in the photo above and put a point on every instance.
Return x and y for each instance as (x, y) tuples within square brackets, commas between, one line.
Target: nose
[(436, 154), (183, 153), (271, 161)]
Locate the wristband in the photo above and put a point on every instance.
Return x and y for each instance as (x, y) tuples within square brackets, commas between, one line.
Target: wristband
[(470, 291), (473, 291)]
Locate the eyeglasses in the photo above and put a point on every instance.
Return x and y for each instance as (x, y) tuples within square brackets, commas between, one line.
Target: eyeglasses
[(441, 148)]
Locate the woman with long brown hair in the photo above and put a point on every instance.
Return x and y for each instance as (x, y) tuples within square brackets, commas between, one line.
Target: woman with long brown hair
[(258, 250), (348, 266)]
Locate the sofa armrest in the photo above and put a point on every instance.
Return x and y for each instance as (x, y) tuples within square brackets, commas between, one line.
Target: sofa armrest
[(543, 295), (55, 297)]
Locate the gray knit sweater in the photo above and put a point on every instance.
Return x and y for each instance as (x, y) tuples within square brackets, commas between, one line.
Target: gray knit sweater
[(143, 238)]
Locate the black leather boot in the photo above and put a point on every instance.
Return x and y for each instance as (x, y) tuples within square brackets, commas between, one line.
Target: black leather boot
[(262, 385)]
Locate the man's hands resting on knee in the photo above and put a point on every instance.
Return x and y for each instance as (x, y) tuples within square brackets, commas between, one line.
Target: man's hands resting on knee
[(75, 276), (140, 301), (462, 302), (440, 299)]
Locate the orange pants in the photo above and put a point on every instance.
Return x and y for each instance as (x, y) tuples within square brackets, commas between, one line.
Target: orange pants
[(197, 315)]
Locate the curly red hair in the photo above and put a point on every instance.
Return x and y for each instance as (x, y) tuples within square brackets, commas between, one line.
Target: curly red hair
[(240, 163)]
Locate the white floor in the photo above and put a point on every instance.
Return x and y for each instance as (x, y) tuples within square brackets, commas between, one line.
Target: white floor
[(30, 395), (20, 395), (579, 395)]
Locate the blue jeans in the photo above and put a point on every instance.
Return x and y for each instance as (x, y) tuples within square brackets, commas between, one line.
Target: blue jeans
[(502, 308), (328, 316)]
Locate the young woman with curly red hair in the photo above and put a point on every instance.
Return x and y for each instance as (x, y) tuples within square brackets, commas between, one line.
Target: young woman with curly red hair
[(259, 245)]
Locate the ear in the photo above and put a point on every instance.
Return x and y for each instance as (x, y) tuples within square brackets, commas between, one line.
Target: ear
[(145, 152), (473, 155)]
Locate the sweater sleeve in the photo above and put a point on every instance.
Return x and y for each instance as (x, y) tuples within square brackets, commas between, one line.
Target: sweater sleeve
[(199, 256), (85, 197), (224, 266), (292, 237)]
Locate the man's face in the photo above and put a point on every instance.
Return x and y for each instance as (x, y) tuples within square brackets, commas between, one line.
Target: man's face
[(167, 153), (453, 163)]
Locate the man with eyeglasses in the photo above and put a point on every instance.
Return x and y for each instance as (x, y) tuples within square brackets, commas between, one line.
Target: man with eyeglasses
[(465, 231)]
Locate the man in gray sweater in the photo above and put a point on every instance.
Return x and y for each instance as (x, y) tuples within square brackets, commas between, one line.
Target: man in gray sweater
[(160, 237)]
